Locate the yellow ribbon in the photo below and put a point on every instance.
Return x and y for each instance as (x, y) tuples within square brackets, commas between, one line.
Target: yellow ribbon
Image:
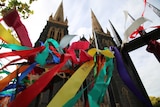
[(106, 53), (7, 37), (70, 88)]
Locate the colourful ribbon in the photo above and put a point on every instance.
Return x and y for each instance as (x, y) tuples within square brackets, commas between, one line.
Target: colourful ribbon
[(134, 34), (135, 25), (42, 57), (26, 72), (23, 74), (154, 47), (66, 40), (7, 36), (79, 45), (5, 81), (40, 84), (67, 91), (74, 100), (12, 19), (70, 88), (145, 2), (5, 72), (83, 56), (15, 47), (106, 52), (96, 95), (99, 88), (23, 99), (12, 91), (24, 54)]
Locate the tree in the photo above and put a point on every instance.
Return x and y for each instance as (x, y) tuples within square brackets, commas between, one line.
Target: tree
[(155, 101), (22, 7)]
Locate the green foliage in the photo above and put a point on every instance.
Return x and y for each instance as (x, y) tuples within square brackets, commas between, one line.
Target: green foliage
[(23, 8), (155, 101)]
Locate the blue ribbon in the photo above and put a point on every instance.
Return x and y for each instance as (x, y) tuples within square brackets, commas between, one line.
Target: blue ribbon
[(27, 71)]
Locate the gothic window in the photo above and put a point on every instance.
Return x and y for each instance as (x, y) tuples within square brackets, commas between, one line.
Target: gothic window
[(59, 35), (52, 33)]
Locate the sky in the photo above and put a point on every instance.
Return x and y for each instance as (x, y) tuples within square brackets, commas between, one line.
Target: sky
[(78, 13)]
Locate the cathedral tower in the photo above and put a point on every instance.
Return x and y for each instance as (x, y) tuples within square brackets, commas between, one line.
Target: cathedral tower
[(55, 28), (104, 39)]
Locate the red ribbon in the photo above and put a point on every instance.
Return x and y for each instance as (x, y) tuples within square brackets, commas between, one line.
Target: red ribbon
[(54, 51), (134, 34), (79, 45), (156, 27), (24, 54), (84, 56), (12, 19), (141, 28), (145, 1), (154, 47), (24, 98)]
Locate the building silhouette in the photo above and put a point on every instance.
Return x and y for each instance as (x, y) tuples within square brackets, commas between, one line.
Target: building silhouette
[(118, 94)]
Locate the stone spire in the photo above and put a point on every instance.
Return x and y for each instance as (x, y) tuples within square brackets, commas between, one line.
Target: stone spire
[(95, 24), (59, 14)]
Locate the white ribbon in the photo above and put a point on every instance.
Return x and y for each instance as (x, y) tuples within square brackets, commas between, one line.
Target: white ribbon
[(135, 25), (66, 40)]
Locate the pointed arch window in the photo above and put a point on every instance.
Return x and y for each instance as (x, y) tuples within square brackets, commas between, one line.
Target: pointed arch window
[(59, 35), (52, 33)]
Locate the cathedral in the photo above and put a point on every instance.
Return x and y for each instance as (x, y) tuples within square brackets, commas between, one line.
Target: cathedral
[(117, 94)]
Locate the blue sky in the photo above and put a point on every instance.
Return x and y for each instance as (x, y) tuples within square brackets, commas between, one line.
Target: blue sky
[(78, 13)]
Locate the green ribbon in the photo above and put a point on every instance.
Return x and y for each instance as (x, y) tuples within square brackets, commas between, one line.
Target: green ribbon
[(9, 91), (4, 72), (15, 47), (41, 57), (97, 93)]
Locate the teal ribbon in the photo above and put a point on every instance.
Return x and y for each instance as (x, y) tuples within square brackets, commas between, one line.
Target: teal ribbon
[(73, 100), (96, 95), (42, 57), (4, 72), (15, 47), (53, 42), (9, 92)]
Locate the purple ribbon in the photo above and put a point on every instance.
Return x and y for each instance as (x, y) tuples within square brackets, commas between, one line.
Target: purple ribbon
[(126, 78)]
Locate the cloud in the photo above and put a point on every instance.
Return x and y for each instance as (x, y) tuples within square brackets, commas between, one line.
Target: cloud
[(84, 31)]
